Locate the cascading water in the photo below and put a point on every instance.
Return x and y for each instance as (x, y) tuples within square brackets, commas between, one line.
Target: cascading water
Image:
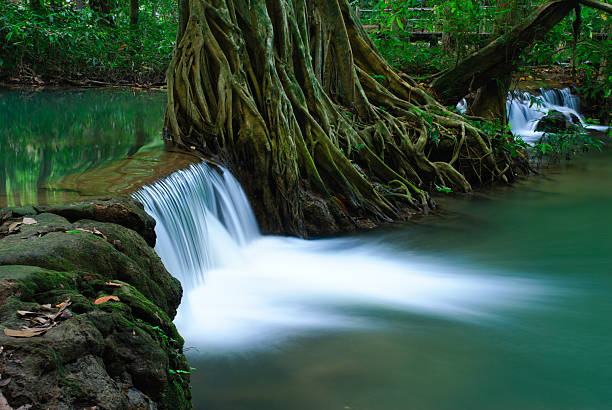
[(203, 217), (243, 290), (525, 110)]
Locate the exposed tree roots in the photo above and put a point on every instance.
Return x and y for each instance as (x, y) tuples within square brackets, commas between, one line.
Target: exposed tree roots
[(320, 130)]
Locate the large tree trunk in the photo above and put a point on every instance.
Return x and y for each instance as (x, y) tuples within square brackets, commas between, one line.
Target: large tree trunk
[(134, 12), (320, 130), (490, 99)]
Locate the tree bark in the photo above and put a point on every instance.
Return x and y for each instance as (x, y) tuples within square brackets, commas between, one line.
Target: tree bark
[(134, 12), (322, 133)]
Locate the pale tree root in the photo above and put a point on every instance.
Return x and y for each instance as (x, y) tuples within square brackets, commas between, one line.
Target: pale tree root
[(324, 136)]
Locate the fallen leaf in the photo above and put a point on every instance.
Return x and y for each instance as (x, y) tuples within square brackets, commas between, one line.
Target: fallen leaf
[(84, 230), (5, 382), (66, 314), (26, 313), (46, 306), (115, 285), (41, 320), (100, 234), (62, 307), (23, 333), (14, 226), (105, 299), (123, 46), (29, 221), (340, 204)]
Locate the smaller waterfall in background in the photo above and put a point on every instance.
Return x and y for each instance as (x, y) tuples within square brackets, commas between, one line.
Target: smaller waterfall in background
[(202, 216), (525, 110), (246, 291)]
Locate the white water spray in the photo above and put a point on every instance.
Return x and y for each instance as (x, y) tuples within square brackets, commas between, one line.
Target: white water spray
[(245, 291), (525, 110)]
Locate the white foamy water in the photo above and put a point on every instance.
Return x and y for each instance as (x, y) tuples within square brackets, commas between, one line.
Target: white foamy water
[(246, 291), (525, 110)]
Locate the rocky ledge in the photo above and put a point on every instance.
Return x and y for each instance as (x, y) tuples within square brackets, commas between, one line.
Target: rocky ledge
[(86, 309)]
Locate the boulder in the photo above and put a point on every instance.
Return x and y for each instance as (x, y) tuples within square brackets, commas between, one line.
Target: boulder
[(87, 273)]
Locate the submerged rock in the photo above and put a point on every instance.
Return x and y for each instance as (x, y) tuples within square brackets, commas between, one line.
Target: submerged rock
[(124, 353)]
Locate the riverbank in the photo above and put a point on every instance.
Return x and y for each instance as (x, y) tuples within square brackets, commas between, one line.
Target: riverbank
[(86, 309)]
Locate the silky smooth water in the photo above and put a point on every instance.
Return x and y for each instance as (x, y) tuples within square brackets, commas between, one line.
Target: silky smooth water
[(500, 301)]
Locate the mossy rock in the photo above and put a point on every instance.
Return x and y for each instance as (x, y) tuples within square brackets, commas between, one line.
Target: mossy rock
[(122, 354), (123, 211)]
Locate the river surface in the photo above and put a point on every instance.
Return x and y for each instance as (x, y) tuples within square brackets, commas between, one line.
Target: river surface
[(521, 319), (58, 146), (500, 300)]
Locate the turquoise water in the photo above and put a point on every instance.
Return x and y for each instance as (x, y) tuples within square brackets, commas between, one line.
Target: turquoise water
[(512, 296), (544, 345)]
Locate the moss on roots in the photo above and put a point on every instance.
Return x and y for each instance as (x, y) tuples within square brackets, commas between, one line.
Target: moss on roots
[(294, 98)]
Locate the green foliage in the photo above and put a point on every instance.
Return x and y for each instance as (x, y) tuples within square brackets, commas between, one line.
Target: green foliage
[(565, 144), (590, 57), (62, 42), (461, 21)]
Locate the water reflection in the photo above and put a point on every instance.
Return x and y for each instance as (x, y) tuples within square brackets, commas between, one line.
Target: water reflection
[(47, 135)]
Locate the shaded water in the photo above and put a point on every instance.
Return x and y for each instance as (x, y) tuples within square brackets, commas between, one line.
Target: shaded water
[(50, 141)]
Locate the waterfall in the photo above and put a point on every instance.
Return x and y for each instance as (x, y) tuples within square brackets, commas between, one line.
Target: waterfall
[(525, 110), (203, 217), (247, 291)]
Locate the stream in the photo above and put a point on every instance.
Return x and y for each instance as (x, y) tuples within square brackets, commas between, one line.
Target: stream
[(499, 300)]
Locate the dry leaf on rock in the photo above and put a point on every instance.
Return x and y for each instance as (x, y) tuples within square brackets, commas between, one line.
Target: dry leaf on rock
[(100, 234), (24, 333), (29, 221), (113, 284), (26, 313), (105, 299)]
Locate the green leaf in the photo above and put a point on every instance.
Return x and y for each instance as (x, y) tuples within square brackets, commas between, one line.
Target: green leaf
[(443, 188)]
